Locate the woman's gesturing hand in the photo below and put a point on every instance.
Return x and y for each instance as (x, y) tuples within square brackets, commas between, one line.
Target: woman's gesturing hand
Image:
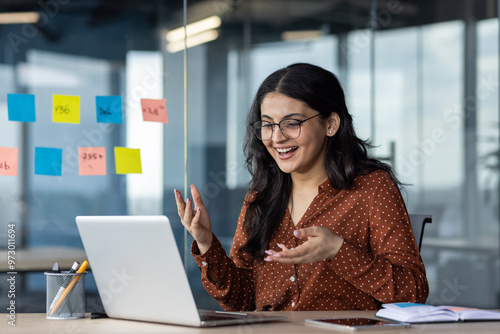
[(321, 244), (197, 221)]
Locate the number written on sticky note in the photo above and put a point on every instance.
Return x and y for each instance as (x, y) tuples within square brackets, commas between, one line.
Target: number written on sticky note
[(92, 160), (154, 110), (8, 161), (109, 109), (66, 109)]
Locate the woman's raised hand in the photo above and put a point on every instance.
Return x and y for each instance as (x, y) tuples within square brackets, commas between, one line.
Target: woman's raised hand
[(196, 221)]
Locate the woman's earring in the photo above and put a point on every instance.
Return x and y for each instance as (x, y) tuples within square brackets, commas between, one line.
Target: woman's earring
[(330, 131)]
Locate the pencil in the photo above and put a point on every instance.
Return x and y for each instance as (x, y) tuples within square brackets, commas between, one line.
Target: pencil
[(69, 287)]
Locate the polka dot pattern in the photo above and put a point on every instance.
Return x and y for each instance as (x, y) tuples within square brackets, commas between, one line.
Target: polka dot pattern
[(378, 263)]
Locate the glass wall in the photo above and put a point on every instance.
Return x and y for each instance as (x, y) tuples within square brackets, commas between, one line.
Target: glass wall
[(421, 80)]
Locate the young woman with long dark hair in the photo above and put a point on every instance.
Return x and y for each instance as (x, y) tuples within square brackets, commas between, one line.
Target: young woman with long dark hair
[(323, 226)]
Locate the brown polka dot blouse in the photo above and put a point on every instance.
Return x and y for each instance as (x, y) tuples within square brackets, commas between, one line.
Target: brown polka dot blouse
[(377, 263)]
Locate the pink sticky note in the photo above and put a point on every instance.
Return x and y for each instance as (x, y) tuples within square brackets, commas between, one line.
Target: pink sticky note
[(92, 160), (8, 161), (154, 110)]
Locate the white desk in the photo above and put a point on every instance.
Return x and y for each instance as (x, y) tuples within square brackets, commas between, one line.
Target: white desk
[(36, 323)]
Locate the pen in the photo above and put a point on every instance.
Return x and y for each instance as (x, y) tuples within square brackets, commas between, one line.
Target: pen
[(73, 269), (69, 287)]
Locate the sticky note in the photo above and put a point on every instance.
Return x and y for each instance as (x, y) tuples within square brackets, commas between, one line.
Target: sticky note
[(109, 109), (66, 109), (92, 160), (154, 110), (8, 161), (21, 107), (48, 161), (128, 160)]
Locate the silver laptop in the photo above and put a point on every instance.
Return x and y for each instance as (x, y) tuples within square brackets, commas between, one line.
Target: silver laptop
[(140, 276)]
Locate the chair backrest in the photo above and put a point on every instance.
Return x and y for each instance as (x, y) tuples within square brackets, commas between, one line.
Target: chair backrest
[(417, 224)]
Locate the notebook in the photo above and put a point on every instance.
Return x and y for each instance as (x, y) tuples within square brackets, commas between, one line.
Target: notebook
[(140, 275)]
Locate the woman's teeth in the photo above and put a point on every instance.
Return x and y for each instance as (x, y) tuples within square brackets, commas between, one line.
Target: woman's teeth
[(285, 150)]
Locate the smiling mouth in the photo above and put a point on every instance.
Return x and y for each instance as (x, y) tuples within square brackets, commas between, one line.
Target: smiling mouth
[(283, 151)]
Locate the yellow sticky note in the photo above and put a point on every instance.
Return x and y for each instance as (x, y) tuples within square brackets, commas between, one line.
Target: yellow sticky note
[(66, 109), (128, 160)]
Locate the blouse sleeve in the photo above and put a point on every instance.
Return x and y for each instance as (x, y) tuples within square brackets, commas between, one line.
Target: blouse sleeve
[(228, 280), (392, 269)]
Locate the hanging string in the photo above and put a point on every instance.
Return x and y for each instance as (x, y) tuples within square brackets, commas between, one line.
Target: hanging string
[(185, 130), (373, 29)]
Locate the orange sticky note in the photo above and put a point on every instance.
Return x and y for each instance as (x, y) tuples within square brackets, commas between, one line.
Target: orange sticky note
[(128, 160), (154, 110), (92, 160), (65, 109), (8, 161)]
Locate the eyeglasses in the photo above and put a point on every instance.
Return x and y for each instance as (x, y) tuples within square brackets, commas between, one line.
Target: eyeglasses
[(290, 128)]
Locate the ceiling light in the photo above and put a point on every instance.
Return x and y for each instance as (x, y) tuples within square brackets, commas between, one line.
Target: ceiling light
[(194, 28), (19, 18), (194, 40)]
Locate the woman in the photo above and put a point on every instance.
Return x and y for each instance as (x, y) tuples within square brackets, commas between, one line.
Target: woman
[(323, 227)]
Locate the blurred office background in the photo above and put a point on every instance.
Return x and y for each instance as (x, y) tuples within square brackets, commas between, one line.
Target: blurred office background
[(421, 79)]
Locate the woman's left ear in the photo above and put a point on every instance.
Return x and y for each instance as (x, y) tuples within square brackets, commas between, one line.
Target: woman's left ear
[(333, 124)]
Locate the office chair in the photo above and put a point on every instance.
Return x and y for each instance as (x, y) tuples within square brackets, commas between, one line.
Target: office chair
[(417, 224)]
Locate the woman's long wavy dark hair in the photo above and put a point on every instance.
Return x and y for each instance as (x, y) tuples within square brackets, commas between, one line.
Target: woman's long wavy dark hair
[(346, 155)]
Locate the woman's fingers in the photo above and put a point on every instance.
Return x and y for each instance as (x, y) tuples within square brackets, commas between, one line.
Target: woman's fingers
[(198, 202), (184, 210), (179, 201), (182, 206), (283, 247), (296, 255), (195, 222), (188, 212)]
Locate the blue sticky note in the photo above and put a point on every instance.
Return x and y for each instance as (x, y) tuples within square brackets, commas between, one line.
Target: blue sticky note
[(48, 161), (109, 109), (21, 107)]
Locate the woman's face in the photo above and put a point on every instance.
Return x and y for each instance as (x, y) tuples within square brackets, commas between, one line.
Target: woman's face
[(303, 155)]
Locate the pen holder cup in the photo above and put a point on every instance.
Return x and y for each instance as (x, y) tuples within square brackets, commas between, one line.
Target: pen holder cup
[(65, 295)]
